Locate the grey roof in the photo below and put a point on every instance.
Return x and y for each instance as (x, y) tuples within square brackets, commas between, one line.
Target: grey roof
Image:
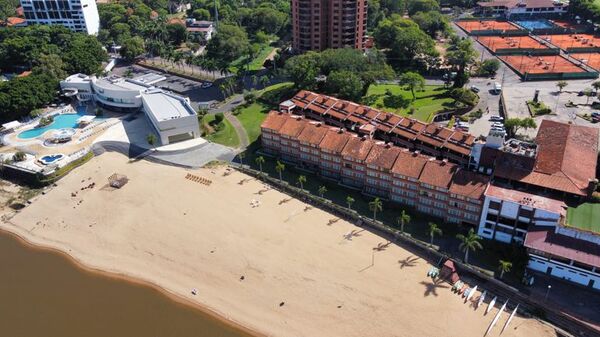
[(117, 83), (165, 106)]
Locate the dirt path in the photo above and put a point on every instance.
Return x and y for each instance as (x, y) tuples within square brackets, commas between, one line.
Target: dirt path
[(239, 129)]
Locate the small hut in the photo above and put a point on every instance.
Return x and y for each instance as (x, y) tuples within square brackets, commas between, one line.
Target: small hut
[(117, 180), (449, 273)]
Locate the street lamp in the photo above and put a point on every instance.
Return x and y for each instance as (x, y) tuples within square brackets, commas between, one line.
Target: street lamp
[(547, 292)]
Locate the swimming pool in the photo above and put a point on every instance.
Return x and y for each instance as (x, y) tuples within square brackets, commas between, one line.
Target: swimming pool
[(64, 121), (49, 159), (535, 24)]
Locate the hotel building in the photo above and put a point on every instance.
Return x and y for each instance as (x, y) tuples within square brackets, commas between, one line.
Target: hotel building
[(77, 15), (375, 167), (323, 24), (171, 116)]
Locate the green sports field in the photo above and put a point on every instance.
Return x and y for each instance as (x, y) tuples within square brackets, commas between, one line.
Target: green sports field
[(585, 217)]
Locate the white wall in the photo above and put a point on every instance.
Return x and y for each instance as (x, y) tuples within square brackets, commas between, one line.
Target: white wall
[(563, 271)]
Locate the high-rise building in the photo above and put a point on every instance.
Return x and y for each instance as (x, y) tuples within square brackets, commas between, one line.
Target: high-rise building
[(77, 15), (322, 24)]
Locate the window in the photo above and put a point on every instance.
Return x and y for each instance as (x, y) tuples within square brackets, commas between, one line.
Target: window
[(495, 205)]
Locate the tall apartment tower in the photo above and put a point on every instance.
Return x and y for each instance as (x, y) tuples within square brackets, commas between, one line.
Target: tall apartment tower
[(77, 15), (322, 24)]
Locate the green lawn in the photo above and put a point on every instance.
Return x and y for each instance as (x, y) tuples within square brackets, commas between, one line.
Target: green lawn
[(227, 136), (256, 63), (585, 217), (252, 116), (431, 100)]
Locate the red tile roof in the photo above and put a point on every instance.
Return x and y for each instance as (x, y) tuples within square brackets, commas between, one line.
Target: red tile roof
[(274, 121), (469, 184), (293, 126), (313, 133), (567, 150), (13, 21), (383, 155), (335, 140), (409, 164), (438, 173), (545, 240), (357, 148), (408, 128)]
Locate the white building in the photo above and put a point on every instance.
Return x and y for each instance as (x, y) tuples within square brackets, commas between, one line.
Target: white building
[(508, 8), (171, 115), (77, 15)]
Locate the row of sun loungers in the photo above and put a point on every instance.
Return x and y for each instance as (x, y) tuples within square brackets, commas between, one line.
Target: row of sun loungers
[(197, 179), (96, 130)]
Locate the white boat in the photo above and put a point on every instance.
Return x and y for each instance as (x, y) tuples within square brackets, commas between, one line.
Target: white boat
[(471, 293), (495, 320), (491, 305), (481, 298), (510, 318)]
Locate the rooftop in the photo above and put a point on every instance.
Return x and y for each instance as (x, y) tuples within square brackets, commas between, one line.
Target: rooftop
[(409, 164), (383, 155), (149, 78), (119, 83), (469, 184), (274, 120), (357, 148), (313, 133), (166, 106), (584, 217), (438, 173), (527, 199), (545, 240)]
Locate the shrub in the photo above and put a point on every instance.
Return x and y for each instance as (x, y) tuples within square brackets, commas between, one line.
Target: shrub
[(489, 67), (250, 97), (395, 101), (45, 121), (219, 117), (19, 156)]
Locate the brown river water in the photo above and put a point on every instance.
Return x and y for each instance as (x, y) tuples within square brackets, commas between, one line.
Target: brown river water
[(43, 293)]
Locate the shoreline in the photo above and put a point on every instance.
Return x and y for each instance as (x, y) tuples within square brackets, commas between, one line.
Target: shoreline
[(46, 247), (282, 268)]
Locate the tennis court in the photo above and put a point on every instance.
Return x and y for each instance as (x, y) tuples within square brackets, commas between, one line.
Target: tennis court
[(568, 24), (541, 64), (591, 59), (566, 41), (494, 43), (474, 25)]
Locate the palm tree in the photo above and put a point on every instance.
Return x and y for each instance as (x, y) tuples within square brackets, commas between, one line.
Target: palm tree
[(561, 85), (242, 155), (469, 242), (280, 167), (301, 181), (322, 190), (349, 201), (504, 267), (375, 206), (433, 231), (596, 86), (260, 160), (403, 219), (189, 61)]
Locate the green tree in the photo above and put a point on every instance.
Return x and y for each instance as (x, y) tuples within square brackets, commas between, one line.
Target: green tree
[(151, 139), (596, 86), (344, 84), (301, 181), (403, 40), (504, 267), (201, 14), (414, 6), (303, 69), (413, 81), (219, 117), (19, 156), (464, 96), (433, 231), (349, 201), (461, 54), (51, 64), (513, 125), (322, 190), (8, 8), (227, 45), (432, 22), (177, 33), (260, 160), (403, 219), (280, 167), (561, 85), (469, 242), (375, 206), (132, 48), (489, 67)]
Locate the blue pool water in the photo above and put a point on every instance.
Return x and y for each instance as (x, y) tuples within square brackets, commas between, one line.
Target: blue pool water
[(535, 24), (51, 158), (65, 121)]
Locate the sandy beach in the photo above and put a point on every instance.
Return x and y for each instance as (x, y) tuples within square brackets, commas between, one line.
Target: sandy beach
[(279, 268)]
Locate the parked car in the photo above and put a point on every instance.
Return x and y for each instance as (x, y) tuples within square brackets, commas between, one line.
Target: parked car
[(496, 119), (206, 85), (474, 89), (498, 125), (497, 88)]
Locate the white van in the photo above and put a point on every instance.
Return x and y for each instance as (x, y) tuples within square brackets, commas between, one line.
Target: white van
[(497, 88)]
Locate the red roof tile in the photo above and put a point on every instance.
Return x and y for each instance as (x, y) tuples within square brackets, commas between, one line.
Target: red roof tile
[(469, 184), (274, 121), (438, 173), (335, 140), (357, 148), (409, 164), (313, 133), (293, 126), (383, 155)]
